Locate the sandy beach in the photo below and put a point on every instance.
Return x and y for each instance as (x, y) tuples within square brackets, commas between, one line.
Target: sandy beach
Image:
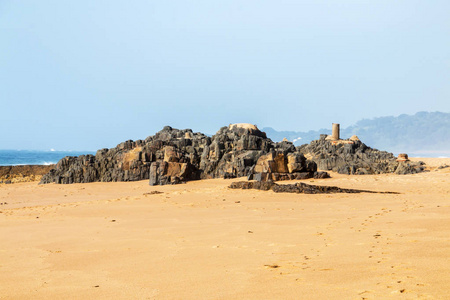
[(202, 240)]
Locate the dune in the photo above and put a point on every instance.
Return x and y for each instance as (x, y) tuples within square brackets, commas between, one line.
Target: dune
[(202, 240)]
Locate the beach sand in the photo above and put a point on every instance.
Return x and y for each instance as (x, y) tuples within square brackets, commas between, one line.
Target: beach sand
[(201, 240)]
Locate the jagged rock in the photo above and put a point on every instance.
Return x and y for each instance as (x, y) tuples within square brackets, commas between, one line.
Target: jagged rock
[(154, 168), (173, 156), (271, 163), (283, 163), (177, 159), (258, 185), (353, 157), (295, 162), (321, 175), (170, 156), (303, 175), (407, 167)]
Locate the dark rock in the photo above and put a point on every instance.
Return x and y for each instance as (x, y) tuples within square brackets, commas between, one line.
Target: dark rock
[(297, 188), (303, 175), (321, 175), (168, 157), (362, 171), (229, 175), (263, 176), (258, 185), (154, 173), (407, 167), (172, 156), (296, 162), (354, 157), (311, 166)]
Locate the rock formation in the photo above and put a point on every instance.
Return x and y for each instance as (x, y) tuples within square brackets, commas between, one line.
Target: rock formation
[(174, 156), (353, 157), (170, 150), (298, 187)]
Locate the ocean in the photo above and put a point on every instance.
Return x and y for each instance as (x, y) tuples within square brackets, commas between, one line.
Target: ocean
[(32, 157)]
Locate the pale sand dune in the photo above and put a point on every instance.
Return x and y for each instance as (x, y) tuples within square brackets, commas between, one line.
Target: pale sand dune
[(201, 240)]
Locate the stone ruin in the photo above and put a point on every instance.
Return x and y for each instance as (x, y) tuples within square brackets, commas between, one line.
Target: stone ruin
[(174, 156)]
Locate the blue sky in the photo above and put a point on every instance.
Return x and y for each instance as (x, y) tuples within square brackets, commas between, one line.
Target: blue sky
[(84, 75)]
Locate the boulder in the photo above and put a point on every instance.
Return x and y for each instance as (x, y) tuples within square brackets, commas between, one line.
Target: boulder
[(406, 167), (154, 176), (170, 154), (296, 162), (266, 163)]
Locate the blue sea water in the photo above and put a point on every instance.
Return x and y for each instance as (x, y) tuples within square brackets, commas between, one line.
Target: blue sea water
[(31, 157)]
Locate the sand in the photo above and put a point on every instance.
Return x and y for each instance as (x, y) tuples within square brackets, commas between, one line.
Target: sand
[(201, 240)]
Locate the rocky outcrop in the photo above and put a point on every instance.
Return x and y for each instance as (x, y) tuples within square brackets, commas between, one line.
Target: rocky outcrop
[(299, 187), (173, 156), (174, 153), (353, 157), (285, 163)]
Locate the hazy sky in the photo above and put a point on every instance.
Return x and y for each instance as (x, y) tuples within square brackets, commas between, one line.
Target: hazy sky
[(90, 74)]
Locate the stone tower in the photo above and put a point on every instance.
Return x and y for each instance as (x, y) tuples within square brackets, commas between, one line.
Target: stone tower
[(335, 131)]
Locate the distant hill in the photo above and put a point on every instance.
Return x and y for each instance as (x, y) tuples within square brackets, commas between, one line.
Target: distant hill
[(422, 134)]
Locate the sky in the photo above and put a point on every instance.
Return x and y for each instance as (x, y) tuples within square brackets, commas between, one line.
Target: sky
[(85, 75)]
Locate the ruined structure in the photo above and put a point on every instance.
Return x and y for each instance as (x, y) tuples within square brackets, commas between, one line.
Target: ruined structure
[(174, 156), (335, 131)]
